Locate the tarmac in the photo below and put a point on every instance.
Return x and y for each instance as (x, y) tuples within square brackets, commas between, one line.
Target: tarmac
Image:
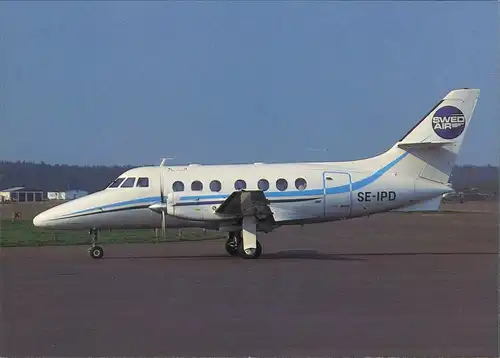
[(388, 285)]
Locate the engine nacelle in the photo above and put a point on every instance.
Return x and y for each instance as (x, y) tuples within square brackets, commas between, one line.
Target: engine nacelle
[(195, 212)]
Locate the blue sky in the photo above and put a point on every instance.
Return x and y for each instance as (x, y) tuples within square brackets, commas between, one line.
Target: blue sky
[(217, 82)]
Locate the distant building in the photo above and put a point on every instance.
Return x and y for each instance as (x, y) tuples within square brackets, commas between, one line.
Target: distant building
[(66, 195), (21, 194), (5, 193)]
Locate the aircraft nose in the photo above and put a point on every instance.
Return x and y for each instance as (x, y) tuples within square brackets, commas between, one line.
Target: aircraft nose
[(40, 220)]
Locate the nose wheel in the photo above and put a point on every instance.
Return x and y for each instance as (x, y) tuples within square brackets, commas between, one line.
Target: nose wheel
[(95, 251)]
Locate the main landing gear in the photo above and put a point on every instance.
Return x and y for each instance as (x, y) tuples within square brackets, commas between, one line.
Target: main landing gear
[(232, 243), (234, 247), (244, 243), (96, 252)]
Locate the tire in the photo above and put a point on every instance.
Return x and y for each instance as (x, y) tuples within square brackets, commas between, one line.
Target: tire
[(231, 248), (96, 252), (252, 253)]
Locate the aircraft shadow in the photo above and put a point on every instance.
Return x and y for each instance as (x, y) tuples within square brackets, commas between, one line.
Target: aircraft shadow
[(470, 253), (282, 255), (304, 255)]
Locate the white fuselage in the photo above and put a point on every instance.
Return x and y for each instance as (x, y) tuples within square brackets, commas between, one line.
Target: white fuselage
[(298, 193), (247, 198)]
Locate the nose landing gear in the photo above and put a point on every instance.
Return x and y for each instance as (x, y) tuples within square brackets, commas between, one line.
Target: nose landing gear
[(95, 251)]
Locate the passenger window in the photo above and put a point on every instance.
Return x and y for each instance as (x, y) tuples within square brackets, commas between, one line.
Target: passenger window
[(116, 183), (142, 182), (300, 183), (215, 185), (196, 185), (128, 183), (281, 184), (178, 186), (240, 184), (263, 185)]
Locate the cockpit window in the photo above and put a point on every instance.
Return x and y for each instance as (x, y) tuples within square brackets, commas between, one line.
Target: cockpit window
[(142, 182), (116, 183), (128, 183)]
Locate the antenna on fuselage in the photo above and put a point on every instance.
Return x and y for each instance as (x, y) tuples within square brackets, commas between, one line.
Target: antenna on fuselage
[(164, 159)]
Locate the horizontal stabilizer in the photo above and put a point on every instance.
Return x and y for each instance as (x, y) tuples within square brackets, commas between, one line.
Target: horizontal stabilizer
[(422, 145), (428, 205)]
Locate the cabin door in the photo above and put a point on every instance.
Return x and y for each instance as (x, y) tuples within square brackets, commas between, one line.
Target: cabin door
[(337, 191)]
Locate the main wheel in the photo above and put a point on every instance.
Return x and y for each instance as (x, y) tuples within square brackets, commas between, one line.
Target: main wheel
[(232, 247), (96, 252), (250, 253)]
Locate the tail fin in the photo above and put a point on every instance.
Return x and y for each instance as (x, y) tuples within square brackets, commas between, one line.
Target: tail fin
[(430, 149), (447, 122)]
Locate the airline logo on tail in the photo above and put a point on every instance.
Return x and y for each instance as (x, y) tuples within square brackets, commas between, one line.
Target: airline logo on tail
[(448, 122)]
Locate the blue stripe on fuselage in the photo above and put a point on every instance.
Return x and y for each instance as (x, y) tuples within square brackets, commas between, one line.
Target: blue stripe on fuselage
[(270, 194), (333, 190), (150, 199)]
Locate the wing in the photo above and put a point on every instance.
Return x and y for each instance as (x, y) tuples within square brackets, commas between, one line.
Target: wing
[(248, 203)]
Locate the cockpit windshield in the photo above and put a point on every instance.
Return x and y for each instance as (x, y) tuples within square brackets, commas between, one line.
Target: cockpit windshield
[(128, 183), (142, 182), (124, 182), (116, 183)]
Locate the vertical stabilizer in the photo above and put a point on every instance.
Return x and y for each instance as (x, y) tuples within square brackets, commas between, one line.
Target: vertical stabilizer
[(430, 149)]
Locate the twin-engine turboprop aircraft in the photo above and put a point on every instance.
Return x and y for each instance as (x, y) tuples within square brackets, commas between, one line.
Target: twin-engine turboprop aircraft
[(246, 199)]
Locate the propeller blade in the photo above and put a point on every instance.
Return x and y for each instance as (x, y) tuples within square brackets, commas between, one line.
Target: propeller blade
[(163, 224), (162, 196), (163, 215)]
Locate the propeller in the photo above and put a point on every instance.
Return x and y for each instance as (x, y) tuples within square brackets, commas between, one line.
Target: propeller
[(161, 208), (163, 204)]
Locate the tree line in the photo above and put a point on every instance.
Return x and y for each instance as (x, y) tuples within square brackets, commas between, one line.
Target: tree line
[(55, 177)]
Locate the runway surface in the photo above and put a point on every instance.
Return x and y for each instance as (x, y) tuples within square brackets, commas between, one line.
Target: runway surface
[(388, 285)]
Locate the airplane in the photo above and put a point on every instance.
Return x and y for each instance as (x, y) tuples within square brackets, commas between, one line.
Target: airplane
[(246, 200)]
